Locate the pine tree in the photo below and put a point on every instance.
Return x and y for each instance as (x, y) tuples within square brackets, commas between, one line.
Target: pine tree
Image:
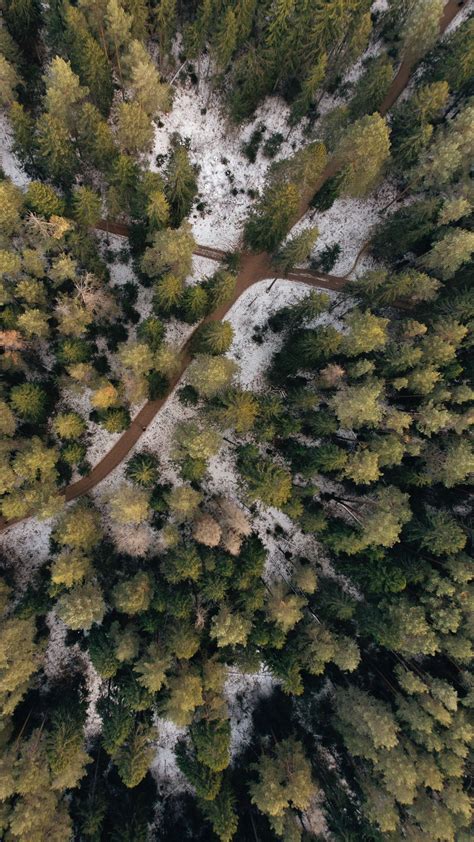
[(225, 39), (133, 596), (183, 502), (43, 200), (221, 813), (133, 758), (181, 184), (29, 401), (79, 528), (450, 252), (213, 338), (211, 375), (147, 90), (8, 82), (230, 628), (362, 153), (129, 505), (82, 606), (372, 87), (19, 660), (87, 207), (283, 783), (171, 252), (64, 93), (421, 28), (88, 59), (168, 292), (134, 129), (269, 222), (297, 250), (56, 150)]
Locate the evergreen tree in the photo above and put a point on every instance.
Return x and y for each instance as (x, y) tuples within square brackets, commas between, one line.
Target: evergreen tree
[(181, 184)]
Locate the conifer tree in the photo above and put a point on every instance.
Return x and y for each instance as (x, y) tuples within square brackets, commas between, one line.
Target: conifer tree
[(362, 153), (213, 338), (421, 28), (181, 184), (297, 250)]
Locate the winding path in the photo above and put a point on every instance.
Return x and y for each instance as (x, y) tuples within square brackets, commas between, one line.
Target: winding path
[(253, 268)]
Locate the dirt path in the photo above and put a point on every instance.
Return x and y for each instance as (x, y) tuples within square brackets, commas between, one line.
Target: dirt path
[(253, 268)]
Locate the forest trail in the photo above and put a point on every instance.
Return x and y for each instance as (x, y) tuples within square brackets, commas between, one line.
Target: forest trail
[(253, 268)]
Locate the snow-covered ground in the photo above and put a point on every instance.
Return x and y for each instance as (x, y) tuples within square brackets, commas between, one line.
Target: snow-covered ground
[(216, 148), (350, 223), (9, 163)]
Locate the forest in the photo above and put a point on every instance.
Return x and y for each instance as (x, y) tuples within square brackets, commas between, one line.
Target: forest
[(236, 409)]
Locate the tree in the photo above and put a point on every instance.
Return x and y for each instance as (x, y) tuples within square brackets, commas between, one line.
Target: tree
[(172, 251), (183, 501), (450, 252), (421, 28), (297, 250), (69, 425), (70, 567), (211, 740), (147, 90), (11, 202), (219, 288), (65, 748), (82, 606), (134, 129), (266, 480), (195, 441), (88, 59), (43, 199), (64, 93), (448, 462), (356, 406), (181, 184), (238, 409), (211, 375), (225, 39), (269, 222), (133, 596), (33, 323), (284, 607), (283, 784), (151, 667), (221, 813), (362, 153), (449, 154), (29, 401), (8, 82), (87, 207), (372, 87), (213, 338), (367, 333), (142, 469), (79, 528), (129, 505), (19, 660), (194, 304), (168, 292), (133, 758), (185, 695), (158, 209), (56, 150), (182, 563), (206, 530), (230, 628)]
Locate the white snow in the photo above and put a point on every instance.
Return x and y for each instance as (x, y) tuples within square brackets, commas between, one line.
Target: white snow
[(252, 310), (243, 691), (169, 779), (350, 222), (215, 146), (26, 548), (8, 161)]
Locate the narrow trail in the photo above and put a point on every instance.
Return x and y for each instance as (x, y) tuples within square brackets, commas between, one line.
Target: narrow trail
[(253, 268)]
